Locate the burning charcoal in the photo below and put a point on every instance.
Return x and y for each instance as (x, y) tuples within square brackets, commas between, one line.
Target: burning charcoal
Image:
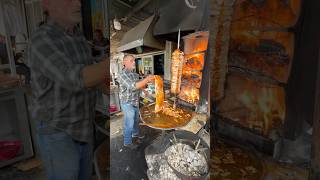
[(186, 160), (159, 168)]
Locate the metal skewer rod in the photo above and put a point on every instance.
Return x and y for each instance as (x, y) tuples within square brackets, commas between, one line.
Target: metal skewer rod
[(178, 39), (175, 96), (197, 144), (174, 137)]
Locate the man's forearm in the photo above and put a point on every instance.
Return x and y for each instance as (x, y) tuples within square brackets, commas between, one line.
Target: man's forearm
[(95, 74), (141, 84)]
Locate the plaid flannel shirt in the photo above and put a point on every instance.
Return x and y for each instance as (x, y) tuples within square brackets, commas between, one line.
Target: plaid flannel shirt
[(59, 99), (129, 94)]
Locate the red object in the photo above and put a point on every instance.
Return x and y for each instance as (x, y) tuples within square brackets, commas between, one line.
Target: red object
[(9, 149), (113, 108)]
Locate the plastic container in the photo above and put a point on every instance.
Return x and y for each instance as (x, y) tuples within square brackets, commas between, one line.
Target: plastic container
[(113, 108), (9, 149)]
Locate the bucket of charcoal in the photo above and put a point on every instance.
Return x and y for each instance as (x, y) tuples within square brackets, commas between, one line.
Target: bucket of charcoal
[(189, 159)]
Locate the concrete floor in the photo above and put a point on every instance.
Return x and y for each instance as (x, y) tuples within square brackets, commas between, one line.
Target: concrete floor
[(125, 163)]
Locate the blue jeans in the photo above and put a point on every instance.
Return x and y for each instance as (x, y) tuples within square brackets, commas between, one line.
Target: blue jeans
[(131, 122), (65, 159)]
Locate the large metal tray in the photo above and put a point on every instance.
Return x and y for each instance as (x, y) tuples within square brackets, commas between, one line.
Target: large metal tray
[(162, 121)]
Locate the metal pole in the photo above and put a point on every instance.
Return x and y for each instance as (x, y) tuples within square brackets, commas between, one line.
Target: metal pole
[(8, 42), (179, 39)]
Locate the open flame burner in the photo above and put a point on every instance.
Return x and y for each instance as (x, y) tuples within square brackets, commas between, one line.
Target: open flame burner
[(195, 47)]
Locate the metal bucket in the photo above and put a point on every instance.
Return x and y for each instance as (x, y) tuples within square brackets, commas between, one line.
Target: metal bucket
[(191, 139)]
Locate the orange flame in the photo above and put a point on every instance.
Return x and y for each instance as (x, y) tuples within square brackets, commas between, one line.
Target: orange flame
[(195, 45), (190, 94), (194, 48), (192, 67)]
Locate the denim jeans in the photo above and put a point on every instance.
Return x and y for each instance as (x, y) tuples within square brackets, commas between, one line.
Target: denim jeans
[(131, 122), (64, 158)]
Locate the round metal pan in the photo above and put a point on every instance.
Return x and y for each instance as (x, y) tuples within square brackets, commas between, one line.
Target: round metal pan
[(146, 123)]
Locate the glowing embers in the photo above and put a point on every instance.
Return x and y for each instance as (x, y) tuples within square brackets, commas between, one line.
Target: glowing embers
[(189, 93), (253, 104)]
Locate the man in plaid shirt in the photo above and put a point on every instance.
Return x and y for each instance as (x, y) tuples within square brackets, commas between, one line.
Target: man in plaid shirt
[(63, 81), (130, 89)]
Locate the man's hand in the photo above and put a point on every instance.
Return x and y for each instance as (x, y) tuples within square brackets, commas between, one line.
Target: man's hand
[(146, 93), (150, 78), (142, 84)]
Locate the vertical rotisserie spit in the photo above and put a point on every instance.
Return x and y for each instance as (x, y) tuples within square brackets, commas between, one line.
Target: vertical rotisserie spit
[(176, 70), (159, 94), (161, 106)]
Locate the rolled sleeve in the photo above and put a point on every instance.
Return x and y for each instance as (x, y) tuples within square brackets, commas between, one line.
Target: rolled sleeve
[(51, 60)]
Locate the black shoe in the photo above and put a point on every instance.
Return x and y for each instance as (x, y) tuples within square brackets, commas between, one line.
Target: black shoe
[(131, 146), (140, 136)]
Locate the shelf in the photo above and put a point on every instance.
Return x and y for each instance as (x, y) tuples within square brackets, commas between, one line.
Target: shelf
[(15, 122), (13, 160), (4, 66)]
